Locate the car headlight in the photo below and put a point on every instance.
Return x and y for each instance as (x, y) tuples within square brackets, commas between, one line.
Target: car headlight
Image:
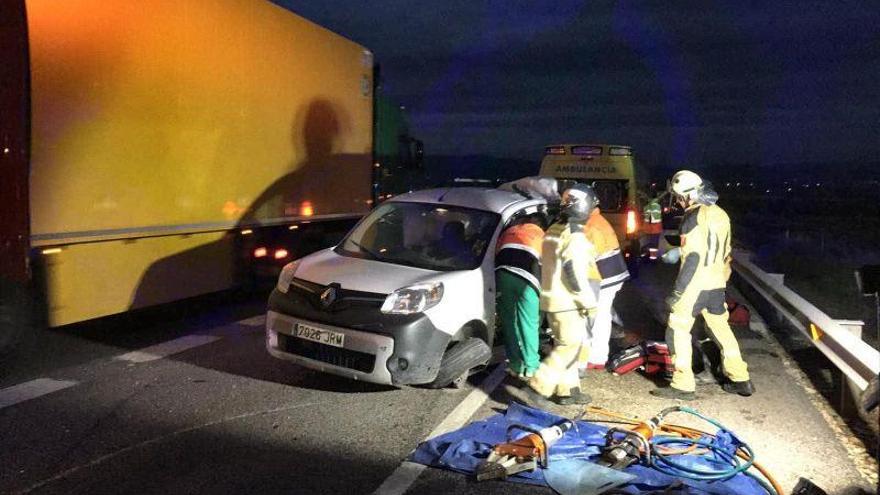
[(413, 299), (286, 276)]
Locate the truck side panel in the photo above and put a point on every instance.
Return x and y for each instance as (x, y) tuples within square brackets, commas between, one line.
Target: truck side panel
[(127, 274), (158, 126)]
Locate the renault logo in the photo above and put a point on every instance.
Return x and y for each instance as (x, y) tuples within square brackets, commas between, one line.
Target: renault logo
[(328, 297)]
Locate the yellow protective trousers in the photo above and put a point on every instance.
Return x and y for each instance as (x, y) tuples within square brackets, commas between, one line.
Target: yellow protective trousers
[(558, 373), (710, 304)]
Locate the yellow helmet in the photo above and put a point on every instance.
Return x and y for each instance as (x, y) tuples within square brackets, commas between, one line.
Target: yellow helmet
[(686, 184)]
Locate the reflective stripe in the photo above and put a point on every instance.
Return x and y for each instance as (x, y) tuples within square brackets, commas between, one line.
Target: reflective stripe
[(609, 254), (511, 245), (569, 278), (521, 262), (615, 280), (612, 269), (708, 247), (727, 244), (525, 275), (717, 248)]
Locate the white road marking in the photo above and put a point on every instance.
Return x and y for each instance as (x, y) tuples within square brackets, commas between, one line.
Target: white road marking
[(406, 474), (254, 321), (30, 390), (165, 349)]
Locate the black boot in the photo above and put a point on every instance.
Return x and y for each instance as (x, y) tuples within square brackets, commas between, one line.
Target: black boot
[(529, 396), (673, 393), (576, 398), (744, 389), (705, 377)]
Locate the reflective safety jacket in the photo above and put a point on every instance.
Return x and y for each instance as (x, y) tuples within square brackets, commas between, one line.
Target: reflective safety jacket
[(570, 279), (653, 217), (653, 212), (519, 252), (705, 250), (609, 260)]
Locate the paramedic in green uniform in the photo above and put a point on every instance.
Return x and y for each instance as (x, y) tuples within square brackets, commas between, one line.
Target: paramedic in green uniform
[(518, 278)]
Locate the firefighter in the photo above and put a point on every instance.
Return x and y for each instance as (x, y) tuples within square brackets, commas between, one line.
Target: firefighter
[(569, 296), (700, 289), (518, 280), (612, 268)]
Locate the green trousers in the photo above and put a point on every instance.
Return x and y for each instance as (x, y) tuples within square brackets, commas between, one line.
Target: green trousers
[(518, 311)]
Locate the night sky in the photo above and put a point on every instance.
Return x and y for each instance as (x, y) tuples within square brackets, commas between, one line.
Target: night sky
[(686, 83)]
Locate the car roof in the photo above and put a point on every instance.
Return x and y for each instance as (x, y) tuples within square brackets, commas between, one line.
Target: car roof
[(478, 198)]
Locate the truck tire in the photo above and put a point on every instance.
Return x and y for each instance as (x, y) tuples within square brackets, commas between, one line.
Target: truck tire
[(459, 360)]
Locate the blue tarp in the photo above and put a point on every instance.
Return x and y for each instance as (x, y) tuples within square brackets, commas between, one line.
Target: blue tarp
[(462, 450)]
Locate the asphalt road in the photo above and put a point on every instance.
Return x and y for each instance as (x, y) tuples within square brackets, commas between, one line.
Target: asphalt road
[(188, 401)]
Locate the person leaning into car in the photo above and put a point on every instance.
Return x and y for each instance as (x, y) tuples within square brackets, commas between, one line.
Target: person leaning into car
[(518, 279)]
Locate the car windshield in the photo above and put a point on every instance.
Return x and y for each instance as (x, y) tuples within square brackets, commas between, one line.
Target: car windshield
[(430, 236)]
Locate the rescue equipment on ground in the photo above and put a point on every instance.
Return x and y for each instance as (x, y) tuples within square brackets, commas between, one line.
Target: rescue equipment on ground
[(652, 357), (525, 453), (665, 453), (739, 313), (582, 477), (807, 487), (671, 456), (627, 360)]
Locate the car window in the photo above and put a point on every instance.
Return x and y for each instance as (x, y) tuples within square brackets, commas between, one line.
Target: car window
[(431, 236)]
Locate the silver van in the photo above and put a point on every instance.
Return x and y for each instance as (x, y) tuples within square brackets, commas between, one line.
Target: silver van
[(406, 298)]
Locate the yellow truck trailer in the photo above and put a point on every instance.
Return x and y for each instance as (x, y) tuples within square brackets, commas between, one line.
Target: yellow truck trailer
[(145, 147)]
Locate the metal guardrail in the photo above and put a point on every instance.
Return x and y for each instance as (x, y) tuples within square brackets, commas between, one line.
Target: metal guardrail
[(854, 357)]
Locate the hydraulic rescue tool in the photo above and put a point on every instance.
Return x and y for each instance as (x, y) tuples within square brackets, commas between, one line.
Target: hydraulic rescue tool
[(619, 453), (526, 453), (666, 451)]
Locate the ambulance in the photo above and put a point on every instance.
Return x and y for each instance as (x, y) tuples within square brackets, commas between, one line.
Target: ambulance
[(611, 171)]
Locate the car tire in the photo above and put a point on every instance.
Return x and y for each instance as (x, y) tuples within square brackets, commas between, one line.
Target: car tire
[(459, 359)]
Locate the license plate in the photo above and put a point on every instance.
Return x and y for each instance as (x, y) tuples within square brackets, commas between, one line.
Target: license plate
[(319, 335)]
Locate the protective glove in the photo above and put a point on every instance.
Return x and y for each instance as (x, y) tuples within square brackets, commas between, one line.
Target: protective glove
[(672, 300), (672, 256)]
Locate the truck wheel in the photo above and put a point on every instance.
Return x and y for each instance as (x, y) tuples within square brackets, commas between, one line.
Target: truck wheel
[(459, 360)]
